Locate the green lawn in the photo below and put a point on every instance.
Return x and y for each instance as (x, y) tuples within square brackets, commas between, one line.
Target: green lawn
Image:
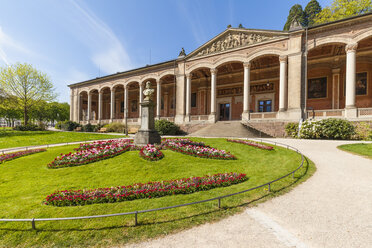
[(10, 139), (362, 149), (26, 181)]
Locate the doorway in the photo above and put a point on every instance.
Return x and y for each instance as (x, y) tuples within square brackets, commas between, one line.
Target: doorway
[(224, 111)]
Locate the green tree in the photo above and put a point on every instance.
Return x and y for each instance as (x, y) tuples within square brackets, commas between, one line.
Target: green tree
[(27, 85), (58, 111), (312, 9), (8, 110), (340, 9), (295, 13)]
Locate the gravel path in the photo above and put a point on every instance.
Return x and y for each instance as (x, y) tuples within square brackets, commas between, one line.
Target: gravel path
[(331, 209)]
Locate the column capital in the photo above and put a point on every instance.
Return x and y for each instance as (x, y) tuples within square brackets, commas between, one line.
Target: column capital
[(140, 84), (336, 71), (247, 65), (189, 75), (214, 70), (283, 58), (158, 82), (112, 90), (351, 47)]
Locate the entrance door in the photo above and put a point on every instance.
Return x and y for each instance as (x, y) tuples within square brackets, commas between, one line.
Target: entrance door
[(264, 106), (224, 111)]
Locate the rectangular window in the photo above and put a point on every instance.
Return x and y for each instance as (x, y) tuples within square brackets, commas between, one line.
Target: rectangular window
[(361, 84), (317, 88), (193, 100), (264, 106)]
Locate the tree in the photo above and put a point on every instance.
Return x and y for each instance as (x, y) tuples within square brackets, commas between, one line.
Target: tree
[(340, 9), (9, 111), (27, 85), (311, 10), (295, 13)]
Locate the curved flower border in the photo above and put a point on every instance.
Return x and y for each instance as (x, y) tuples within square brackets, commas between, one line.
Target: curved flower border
[(199, 150), (14, 155), (251, 143), (92, 152), (141, 191), (151, 153)]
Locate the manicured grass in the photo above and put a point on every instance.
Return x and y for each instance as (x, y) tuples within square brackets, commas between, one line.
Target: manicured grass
[(25, 182), (361, 149), (10, 139)]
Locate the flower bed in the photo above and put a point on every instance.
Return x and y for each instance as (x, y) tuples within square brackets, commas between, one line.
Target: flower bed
[(14, 155), (94, 152), (151, 153), (140, 191), (199, 150), (97, 144), (251, 143)]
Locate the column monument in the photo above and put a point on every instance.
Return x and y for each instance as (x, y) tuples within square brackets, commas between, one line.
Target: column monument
[(147, 133)]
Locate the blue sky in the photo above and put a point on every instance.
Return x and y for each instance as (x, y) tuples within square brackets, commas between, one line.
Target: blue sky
[(76, 40)]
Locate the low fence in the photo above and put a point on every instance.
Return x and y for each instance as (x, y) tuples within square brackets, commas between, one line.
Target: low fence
[(135, 213)]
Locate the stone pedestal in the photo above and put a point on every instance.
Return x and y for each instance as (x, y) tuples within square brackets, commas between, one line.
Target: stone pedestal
[(147, 133)]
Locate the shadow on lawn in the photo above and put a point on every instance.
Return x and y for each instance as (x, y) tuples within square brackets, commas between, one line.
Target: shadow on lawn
[(273, 193)]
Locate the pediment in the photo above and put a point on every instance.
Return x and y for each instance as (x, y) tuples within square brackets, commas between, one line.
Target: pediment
[(234, 39)]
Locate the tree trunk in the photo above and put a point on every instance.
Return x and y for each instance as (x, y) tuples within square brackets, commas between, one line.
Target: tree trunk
[(25, 116)]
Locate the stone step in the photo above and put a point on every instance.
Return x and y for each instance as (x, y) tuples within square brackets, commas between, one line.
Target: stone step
[(228, 129)]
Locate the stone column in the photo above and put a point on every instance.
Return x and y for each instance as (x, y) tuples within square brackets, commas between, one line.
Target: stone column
[(283, 83), (212, 116), (72, 105), (125, 102), (294, 86), (180, 98), (78, 106), (140, 99), (246, 90), (158, 99), (188, 96), (89, 106), (336, 88), (99, 106), (112, 105), (350, 109)]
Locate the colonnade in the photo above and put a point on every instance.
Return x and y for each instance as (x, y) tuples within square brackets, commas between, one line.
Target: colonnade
[(284, 70)]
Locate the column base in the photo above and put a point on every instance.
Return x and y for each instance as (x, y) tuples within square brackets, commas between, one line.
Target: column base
[(212, 118), (245, 116), (351, 112), (179, 119), (187, 118)]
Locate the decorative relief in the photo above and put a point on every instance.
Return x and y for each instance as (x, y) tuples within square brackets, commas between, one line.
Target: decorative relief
[(256, 88), (233, 40)]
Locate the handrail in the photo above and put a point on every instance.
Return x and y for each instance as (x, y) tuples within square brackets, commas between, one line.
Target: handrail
[(33, 220)]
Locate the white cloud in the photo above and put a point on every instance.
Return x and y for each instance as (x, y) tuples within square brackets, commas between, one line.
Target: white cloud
[(107, 52)]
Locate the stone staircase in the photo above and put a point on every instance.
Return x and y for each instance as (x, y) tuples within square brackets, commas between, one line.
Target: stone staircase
[(229, 129)]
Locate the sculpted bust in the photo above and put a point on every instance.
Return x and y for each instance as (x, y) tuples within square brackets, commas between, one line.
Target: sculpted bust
[(148, 92)]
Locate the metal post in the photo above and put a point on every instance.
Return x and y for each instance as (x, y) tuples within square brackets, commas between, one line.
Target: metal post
[(269, 189), (33, 224), (219, 202), (293, 175), (135, 219)]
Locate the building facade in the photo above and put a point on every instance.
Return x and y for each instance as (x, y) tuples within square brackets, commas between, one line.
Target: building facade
[(246, 74)]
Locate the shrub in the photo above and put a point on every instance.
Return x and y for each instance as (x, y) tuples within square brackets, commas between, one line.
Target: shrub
[(115, 127), (28, 127), (327, 129), (165, 127), (336, 129), (69, 125), (363, 130), (291, 129), (88, 128), (58, 125)]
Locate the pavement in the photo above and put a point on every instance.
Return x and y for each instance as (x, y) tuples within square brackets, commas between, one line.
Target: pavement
[(333, 208)]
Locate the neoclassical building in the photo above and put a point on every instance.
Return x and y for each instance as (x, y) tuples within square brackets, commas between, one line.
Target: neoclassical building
[(251, 75)]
